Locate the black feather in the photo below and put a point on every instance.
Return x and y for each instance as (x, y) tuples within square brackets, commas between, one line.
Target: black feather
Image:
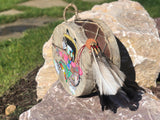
[(127, 96), (115, 90)]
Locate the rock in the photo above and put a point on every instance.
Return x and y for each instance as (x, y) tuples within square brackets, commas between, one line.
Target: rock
[(136, 35), (47, 74), (136, 32), (59, 105), (10, 109)]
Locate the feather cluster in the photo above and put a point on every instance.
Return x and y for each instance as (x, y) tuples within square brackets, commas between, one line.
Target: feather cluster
[(114, 88)]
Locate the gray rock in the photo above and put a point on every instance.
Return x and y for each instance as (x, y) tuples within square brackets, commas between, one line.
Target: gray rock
[(59, 105), (137, 32)]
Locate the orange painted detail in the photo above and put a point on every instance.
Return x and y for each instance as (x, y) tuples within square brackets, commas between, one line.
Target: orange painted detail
[(89, 42)]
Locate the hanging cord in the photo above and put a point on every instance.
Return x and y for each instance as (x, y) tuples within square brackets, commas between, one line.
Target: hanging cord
[(90, 43), (65, 10), (79, 54)]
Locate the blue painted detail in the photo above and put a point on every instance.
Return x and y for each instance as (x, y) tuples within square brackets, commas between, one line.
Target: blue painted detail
[(68, 65)]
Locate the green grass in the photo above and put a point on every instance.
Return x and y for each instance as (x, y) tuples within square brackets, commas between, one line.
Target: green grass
[(20, 56), (32, 12), (37, 12), (153, 8), (8, 4)]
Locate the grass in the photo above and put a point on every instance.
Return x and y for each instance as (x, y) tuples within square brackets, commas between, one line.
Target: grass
[(22, 95), (32, 12), (37, 12), (19, 56), (8, 4), (152, 7)]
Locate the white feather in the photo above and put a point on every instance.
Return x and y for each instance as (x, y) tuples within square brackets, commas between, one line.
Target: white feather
[(118, 71), (118, 75), (108, 79)]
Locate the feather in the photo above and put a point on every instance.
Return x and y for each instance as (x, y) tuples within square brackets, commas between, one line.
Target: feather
[(114, 90), (106, 78)]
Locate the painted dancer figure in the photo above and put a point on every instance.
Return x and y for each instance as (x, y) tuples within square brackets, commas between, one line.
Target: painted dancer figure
[(68, 64)]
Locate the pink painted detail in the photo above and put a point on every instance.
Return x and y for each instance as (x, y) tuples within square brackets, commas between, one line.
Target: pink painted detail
[(80, 71), (65, 57), (73, 64), (60, 53)]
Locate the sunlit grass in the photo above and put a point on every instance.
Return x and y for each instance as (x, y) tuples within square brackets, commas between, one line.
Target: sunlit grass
[(153, 7), (20, 56), (8, 4), (30, 12)]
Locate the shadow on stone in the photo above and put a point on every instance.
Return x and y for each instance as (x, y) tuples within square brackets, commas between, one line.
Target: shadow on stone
[(126, 62), (90, 95), (156, 90), (158, 79)]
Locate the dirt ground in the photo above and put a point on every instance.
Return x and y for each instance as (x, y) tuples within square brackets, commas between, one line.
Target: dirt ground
[(22, 95)]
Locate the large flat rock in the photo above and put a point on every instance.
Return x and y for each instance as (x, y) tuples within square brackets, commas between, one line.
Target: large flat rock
[(59, 105)]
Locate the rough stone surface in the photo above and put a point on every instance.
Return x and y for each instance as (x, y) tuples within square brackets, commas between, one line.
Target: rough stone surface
[(137, 32), (59, 105), (11, 12), (44, 3), (47, 74)]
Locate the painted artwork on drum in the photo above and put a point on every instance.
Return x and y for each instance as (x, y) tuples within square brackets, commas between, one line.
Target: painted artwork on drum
[(68, 64)]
